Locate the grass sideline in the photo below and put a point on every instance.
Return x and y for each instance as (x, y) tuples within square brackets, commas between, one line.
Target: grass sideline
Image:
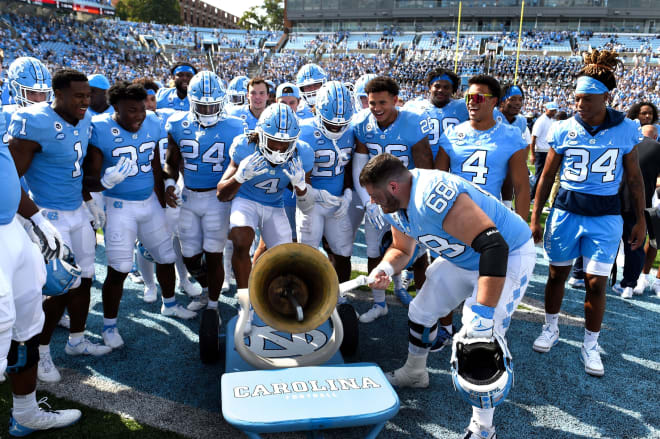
[(93, 424)]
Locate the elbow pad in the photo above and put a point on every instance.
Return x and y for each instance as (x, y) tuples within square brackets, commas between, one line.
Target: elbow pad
[(494, 253)]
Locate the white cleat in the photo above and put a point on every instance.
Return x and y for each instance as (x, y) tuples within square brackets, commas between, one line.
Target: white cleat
[(642, 285), (656, 287), (112, 339), (65, 321), (592, 362), (375, 312), (191, 289), (476, 431), (177, 311), (404, 377), (576, 283), (46, 370), (548, 338), (86, 347), (198, 303), (627, 293), (150, 293), (41, 419)]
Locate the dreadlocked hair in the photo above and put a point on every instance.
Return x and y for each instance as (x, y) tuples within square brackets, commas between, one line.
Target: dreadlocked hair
[(601, 65)]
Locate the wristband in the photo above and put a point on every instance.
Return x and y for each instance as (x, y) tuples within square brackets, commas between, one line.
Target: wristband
[(386, 268), (169, 182), (486, 312)]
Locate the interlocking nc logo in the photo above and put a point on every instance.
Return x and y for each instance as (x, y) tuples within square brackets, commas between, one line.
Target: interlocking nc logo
[(268, 342)]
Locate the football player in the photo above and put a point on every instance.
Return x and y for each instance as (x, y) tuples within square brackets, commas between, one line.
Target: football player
[(200, 140), (385, 128), (595, 149), (237, 90), (309, 80), (146, 266), (330, 135), (257, 96), (177, 97), (99, 86), (262, 163), (48, 144), (487, 261), (443, 111), (22, 276), (133, 206)]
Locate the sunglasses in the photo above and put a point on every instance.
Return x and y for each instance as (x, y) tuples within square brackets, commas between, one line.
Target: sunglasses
[(477, 98)]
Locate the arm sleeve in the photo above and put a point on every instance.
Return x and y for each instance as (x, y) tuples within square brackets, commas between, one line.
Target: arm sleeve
[(359, 160)]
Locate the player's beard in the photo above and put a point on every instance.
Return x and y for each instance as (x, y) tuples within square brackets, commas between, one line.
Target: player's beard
[(391, 204)]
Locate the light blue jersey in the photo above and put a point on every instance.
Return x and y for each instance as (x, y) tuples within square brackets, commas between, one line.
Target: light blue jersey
[(440, 118), (114, 141), (55, 174), (304, 113), (268, 188), (482, 157), (11, 188), (328, 171), (593, 164), (163, 114), (167, 98), (5, 115), (243, 112), (109, 110), (519, 122), (408, 128), (205, 151), (433, 194)]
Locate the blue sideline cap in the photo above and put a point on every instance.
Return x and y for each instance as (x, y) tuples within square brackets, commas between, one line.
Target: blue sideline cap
[(99, 81)]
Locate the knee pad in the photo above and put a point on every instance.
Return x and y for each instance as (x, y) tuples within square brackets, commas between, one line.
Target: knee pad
[(166, 253), (420, 335), (23, 355), (123, 267), (198, 270)]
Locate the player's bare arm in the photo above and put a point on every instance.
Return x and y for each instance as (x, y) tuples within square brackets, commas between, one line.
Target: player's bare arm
[(228, 186), (442, 160), (520, 181), (547, 179), (92, 166), (466, 221), (636, 184), (22, 151), (422, 155)]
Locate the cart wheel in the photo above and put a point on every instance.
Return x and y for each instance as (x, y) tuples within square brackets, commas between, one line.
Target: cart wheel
[(209, 344)]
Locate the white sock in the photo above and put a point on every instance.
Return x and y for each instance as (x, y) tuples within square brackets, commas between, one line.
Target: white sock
[(44, 349), (590, 338), (213, 304), (24, 404), (178, 262), (109, 323), (226, 260), (169, 301), (552, 320), (76, 337), (449, 328), (398, 282), (379, 296), (483, 417), (147, 270)]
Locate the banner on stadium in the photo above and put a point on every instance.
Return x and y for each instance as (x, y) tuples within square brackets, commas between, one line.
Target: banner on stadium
[(72, 6)]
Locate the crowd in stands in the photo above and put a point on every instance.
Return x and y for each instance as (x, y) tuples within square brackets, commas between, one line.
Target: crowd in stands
[(113, 47)]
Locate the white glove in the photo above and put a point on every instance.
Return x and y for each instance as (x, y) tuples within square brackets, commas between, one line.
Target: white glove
[(296, 174), (374, 215), (118, 173), (342, 210), (326, 199), (98, 214), (250, 167), (482, 324), (177, 190), (46, 236)]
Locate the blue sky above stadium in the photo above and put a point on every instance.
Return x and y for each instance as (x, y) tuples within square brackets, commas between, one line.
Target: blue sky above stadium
[(234, 7)]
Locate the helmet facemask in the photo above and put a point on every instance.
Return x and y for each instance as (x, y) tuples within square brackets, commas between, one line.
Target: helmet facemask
[(340, 123), (276, 156), (208, 112), (310, 96), (21, 93)]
